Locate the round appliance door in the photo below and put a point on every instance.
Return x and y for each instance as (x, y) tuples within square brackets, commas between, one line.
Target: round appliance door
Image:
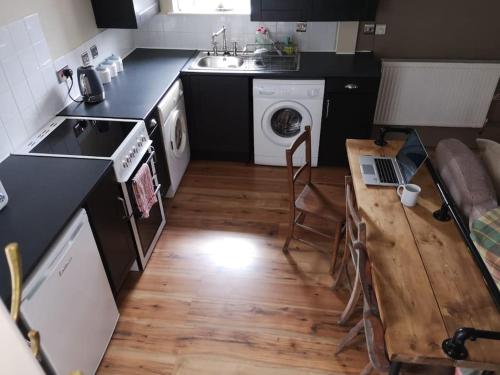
[(282, 122), (178, 133)]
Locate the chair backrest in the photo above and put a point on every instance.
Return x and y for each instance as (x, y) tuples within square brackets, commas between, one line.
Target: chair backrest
[(355, 227), (305, 137), (374, 329)]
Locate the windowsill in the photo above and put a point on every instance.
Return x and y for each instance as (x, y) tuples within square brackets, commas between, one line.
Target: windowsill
[(211, 13)]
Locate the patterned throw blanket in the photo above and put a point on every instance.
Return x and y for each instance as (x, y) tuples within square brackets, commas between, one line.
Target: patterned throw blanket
[(485, 233)]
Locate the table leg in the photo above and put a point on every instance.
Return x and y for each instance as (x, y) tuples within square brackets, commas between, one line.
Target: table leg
[(395, 367)]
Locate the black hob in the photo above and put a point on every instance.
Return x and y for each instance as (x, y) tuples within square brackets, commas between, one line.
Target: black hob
[(85, 137)]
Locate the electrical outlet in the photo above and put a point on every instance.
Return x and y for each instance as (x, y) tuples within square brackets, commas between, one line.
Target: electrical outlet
[(85, 58), (301, 27), (380, 29), (94, 52), (369, 28), (60, 74)]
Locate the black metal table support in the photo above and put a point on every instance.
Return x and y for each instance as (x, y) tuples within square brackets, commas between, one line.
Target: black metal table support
[(443, 214), (454, 347), (395, 368)]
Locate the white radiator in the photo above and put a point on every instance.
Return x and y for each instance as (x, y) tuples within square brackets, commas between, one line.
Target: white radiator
[(453, 94)]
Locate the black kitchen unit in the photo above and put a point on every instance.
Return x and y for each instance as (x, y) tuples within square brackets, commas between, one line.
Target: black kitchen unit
[(123, 14), (111, 230), (313, 10), (348, 110), (219, 116)]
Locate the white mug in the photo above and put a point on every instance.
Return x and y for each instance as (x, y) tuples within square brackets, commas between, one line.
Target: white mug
[(409, 194)]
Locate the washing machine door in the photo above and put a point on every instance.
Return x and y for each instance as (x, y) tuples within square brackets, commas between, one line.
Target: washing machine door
[(284, 121), (178, 133)]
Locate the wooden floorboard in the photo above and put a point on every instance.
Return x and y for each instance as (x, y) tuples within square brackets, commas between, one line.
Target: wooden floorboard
[(219, 296)]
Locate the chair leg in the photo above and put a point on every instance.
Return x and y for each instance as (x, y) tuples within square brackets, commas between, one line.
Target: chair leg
[(342, 268), (353, 301), (346, 340), (291, 227), (367, 370), (336, 245)]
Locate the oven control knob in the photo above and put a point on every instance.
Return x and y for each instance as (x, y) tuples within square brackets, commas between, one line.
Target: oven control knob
[(124, 164)]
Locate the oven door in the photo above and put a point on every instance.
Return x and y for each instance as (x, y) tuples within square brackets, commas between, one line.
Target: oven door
[(146, 230)]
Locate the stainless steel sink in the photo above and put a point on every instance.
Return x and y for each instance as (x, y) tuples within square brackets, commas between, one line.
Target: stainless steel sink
[(219, 62), (244, 62)]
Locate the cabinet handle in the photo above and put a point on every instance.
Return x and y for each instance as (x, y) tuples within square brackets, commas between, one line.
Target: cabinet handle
[(34, 339), (126, 216), (351, 86), (328, 102)]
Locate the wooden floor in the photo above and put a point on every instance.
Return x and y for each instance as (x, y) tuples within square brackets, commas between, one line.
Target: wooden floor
[(220, 297)]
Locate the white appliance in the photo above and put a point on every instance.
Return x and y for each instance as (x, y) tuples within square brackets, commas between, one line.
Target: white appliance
[(69, 301), (172, 112), (127, 144), (282, 109)]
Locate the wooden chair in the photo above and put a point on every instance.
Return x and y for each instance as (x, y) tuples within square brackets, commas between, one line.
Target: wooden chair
[(310, 201), (355, 232), (374, 329)]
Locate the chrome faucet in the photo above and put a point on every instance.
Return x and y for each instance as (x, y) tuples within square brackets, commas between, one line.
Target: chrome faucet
[(224, 41)]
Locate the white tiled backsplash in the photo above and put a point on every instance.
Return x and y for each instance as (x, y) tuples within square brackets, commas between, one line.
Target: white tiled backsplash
[(193, 31), (29, 92)]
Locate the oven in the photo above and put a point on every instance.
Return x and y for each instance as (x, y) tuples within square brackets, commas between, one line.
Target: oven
[(146, 230)]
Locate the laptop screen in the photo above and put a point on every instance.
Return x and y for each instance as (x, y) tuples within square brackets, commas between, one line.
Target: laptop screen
[(411, 156)]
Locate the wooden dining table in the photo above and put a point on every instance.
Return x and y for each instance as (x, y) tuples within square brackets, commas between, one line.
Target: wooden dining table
[(426, 280)]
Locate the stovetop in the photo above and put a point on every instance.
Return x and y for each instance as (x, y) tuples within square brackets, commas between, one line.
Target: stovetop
[(85, 137)]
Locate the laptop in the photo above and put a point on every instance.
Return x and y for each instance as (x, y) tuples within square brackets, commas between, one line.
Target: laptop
[(394, 171)]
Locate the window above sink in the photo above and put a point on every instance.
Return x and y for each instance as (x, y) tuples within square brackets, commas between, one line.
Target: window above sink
[(211, 6)]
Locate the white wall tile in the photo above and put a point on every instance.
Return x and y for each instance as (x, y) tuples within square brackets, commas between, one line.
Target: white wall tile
[(30, 94), (13, 70), (19, 35), (6, 46), (187, 31), (34, 28), (42, 52)]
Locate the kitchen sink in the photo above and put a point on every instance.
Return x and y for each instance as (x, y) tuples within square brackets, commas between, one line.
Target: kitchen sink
[(245, 62), (220, 62)]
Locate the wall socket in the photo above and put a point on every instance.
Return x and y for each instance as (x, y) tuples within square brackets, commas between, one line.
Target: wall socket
[(369, 28), (301, 27), (380, 29), (60, 74), (94, 52)]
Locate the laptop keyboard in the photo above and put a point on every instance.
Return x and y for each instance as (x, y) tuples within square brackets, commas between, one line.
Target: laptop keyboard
[(386, 171)]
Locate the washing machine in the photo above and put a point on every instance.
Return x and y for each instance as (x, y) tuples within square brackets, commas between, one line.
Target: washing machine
[(172, 113), (282, 109)]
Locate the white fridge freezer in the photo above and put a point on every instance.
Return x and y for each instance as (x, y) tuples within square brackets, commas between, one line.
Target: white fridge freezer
[(68, 299)]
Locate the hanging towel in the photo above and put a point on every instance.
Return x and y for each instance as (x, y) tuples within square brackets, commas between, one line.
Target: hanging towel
[(144, 193)]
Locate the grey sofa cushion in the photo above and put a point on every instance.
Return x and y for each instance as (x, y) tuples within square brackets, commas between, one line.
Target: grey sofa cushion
[(466, 178)]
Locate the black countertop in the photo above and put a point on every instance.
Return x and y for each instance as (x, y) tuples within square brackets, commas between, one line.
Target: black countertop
[(147, 75), (44, 193), (316, 65)]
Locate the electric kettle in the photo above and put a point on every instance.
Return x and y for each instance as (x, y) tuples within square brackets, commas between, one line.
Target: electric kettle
[(90, 84)]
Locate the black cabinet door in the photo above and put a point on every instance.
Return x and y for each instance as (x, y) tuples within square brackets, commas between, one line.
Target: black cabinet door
[(218, 110), (313, 10), (279, 10), (111, 230), (345, 115)]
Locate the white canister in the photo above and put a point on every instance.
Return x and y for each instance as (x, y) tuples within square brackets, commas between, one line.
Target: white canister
[(3, 196), (118, 62), (112, 68), (104, 74)]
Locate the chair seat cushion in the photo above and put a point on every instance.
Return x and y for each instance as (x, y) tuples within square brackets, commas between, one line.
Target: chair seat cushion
[(490, 154), (320, 203), (485, 232), (466, 178)]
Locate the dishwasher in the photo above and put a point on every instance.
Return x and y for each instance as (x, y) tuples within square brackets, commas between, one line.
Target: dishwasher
[(68, 299)]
